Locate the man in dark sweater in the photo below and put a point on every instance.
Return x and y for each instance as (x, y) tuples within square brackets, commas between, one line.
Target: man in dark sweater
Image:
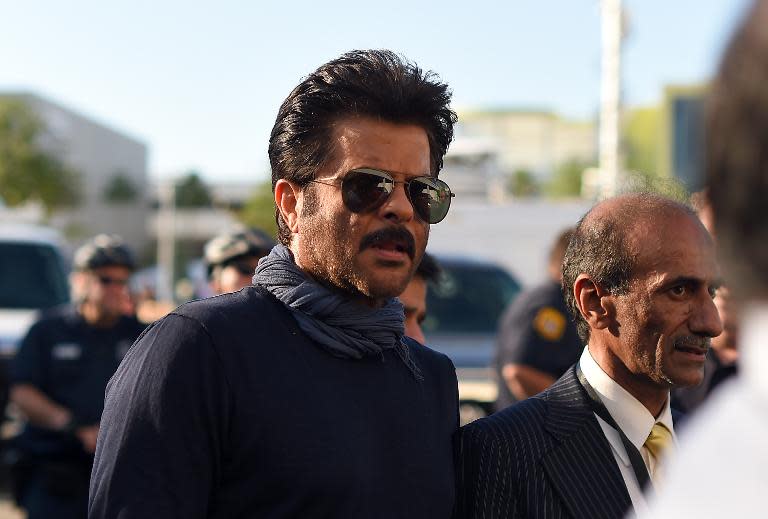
[(300, 396)]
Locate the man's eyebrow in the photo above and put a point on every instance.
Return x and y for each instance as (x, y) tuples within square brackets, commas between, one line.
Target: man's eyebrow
[(690, 280)]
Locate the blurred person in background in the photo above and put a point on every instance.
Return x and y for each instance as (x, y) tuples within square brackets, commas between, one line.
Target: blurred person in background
[(640, 272), (537, 339), (721, 469), (723, 356), (300, 396), (414, 297), (231, 258), (59, 376)]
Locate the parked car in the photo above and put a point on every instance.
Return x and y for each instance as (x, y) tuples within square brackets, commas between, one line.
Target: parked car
[(463, 310)]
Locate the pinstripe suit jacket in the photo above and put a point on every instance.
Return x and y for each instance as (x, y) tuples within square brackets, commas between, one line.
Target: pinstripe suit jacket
[(545, 457)]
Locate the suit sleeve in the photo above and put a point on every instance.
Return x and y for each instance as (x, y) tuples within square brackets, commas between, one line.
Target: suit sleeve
[(165, 419), (485, 480)]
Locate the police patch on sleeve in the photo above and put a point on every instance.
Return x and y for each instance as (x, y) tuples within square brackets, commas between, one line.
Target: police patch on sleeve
[(549, 323)]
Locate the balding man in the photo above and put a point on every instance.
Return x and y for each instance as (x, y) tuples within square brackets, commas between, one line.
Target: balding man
[(639, 276)]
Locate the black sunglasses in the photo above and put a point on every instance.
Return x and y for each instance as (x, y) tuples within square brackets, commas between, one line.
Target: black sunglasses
[(366, 189), (106, 281)]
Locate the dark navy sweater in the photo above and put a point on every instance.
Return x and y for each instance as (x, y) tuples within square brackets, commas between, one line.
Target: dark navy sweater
[(226, 409)]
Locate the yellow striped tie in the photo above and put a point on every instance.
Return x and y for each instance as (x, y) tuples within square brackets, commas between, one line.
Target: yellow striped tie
[(658, 444)]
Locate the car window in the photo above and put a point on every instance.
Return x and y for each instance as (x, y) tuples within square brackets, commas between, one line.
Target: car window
[(31, 276), (468, 299)]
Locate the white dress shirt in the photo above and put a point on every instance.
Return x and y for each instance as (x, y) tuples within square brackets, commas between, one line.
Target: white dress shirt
[(722, 466), (635, 420)]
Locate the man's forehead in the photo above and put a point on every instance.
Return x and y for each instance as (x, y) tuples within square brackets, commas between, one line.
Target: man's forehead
[(680, 248), (113, 270), (392, 147)]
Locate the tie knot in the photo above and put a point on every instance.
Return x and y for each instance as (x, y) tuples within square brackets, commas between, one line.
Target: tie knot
[(659, 440)]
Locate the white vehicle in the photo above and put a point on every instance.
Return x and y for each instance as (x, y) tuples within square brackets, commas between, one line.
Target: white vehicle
[(33, 277)]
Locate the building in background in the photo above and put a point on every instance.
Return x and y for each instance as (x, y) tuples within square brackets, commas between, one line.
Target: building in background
[(666, 141), (112, 168), (683, 147), (472, 169), (534, 141)]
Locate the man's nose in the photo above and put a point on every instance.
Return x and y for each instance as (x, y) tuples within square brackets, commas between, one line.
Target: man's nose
[(705, 319), (398, 207)]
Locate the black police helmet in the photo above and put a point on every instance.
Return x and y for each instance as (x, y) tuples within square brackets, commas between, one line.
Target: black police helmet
[(104, 250), (230, 246)]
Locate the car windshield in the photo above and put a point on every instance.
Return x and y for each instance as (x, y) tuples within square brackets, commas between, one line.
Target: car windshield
[(468, 299), (31, 276)]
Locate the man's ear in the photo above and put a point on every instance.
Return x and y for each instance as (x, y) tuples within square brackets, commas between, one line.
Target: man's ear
[(79, 282), (595, 304), (288, 200)]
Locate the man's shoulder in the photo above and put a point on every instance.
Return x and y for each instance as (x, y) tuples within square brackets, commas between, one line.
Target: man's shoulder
[(56, 318), (425, 354), (58, 313), (563, 401), (131, 325), (250, 302), (511, 423)]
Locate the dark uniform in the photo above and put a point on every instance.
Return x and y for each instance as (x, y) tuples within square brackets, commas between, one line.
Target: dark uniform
[(71, 363), (536, 331)]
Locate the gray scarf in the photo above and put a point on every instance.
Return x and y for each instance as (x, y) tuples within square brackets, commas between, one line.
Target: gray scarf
[(339, 325)]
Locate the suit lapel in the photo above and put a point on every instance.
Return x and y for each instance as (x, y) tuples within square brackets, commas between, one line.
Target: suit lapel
[(581, 466)]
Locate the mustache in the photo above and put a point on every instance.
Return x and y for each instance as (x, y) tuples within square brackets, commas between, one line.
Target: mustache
[(398, 235), (693, 341)]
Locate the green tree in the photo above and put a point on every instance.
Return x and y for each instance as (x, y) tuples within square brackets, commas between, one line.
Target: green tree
[(642, 141), (120, 189), (192, 192), (566, 181), (27, 172), (259, 210), (522, 183)]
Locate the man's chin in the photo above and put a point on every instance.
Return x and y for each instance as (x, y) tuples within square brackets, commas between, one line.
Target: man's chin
[(386, 288), (688, 379)]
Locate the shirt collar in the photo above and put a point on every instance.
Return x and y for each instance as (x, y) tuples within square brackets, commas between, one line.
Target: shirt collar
[(633, 417)]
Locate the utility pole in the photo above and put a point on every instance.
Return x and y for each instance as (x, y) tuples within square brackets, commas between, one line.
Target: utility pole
[(166, 241), (610, 168)]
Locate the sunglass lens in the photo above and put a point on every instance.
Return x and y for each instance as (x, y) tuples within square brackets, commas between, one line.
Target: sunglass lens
[(431, 198), (364, 190), (106, 281)]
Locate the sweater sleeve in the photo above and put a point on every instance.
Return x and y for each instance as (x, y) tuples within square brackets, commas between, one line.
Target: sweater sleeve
[(161, 442)]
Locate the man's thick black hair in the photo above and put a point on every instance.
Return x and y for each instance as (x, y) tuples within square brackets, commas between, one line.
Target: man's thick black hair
[(369, 83)]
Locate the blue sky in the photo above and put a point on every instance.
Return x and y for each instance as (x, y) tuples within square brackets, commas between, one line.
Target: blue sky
[(201, 83)]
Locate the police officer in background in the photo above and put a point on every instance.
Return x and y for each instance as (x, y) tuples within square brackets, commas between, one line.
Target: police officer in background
[(231, 258), (59, 376), (537, 340)]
